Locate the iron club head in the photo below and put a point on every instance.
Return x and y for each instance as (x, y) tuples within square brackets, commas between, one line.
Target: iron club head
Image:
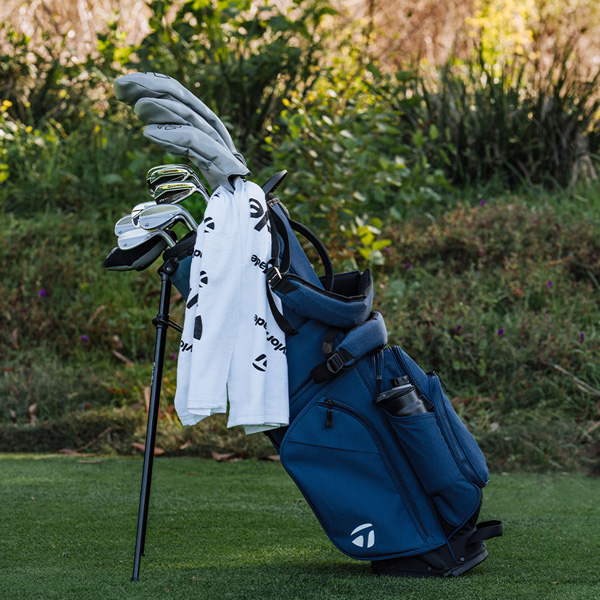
[(138, 208), (136, 237), (166, 173), (174, 192), (123, 224), (162, 216)]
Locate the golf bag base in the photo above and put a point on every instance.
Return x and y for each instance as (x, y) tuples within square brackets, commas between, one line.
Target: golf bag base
[(463, 552)]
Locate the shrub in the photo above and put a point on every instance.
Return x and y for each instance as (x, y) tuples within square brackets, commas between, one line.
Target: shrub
[(514, 120), (242, 58), (350, 165)]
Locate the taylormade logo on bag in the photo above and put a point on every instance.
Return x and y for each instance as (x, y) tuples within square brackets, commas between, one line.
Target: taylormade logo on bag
[(360, 540)]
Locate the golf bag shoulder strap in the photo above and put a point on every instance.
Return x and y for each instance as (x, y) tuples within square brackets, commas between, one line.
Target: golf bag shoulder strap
[(321, 250), (284, 227), (358, 342)]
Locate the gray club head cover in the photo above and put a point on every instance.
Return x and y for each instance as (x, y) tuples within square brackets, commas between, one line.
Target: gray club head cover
[(160, 111), (218, 165), (135, 86)]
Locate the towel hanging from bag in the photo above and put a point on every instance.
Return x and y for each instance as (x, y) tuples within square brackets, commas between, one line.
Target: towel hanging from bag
[(231, 347)]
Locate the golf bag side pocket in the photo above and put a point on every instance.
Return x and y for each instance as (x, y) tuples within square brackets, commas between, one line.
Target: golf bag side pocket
[(357, 492), (421, 438), (442, 451)]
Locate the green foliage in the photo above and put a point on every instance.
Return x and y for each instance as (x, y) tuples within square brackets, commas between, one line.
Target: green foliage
[(503, 301), (349, 160), (41, 85), (514, 120), (243, 59), (98, 167)]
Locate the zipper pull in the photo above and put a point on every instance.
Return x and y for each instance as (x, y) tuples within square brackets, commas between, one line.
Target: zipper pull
[(329, 421), (436, 374), (379, 371)]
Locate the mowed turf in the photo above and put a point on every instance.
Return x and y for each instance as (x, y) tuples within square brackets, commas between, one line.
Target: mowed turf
[(242, 531)]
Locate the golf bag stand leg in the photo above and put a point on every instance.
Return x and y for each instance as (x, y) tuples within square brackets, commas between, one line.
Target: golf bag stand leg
[(161, 322)]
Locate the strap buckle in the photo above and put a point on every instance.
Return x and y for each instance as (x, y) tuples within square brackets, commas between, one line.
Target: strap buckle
[(274, 276), (335, 363)]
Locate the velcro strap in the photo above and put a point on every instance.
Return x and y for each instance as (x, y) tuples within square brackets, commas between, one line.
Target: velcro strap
[(358, 342)]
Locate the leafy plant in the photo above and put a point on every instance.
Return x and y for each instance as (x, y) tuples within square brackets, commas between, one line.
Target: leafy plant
[(243, 59), (513, 119), (348, 157), (42, 85)]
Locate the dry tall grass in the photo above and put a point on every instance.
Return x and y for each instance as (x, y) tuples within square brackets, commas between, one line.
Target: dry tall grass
[(81, 20), (401, 29)]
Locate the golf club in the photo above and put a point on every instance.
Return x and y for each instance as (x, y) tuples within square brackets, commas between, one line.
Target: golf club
[(166, 173), (174, 192), (138, 208), (162, 216), (136, 237), (124, 224)]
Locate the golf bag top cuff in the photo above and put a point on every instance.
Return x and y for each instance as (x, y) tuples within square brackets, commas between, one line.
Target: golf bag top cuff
[(347, 305), (183, 248)]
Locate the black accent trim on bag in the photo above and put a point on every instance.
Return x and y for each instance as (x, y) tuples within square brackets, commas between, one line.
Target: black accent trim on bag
[(321, 251), (332, 366), (273, 274)]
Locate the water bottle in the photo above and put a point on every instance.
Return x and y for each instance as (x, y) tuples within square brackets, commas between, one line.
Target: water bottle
[(402, 400)]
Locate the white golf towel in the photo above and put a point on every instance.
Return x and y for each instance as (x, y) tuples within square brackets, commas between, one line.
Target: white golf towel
[(231, 346)]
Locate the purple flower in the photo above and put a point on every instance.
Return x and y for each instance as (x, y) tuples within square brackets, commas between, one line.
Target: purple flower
[(549, 284), (85, 338), (407, 266), (458, 327), (172, 357), (387, 250), (500, 331), (483, 203), (582, 336), (42, 293)]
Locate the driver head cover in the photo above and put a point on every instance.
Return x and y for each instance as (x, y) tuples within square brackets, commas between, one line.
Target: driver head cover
[(173, 102), (218, 165)]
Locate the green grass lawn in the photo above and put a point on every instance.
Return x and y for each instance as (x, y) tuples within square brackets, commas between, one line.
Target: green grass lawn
[(241, 530)]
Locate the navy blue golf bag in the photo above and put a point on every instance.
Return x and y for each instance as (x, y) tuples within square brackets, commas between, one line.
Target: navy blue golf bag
[(403, 492)]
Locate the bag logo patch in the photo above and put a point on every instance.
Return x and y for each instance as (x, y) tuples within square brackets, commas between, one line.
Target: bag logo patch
[(360, 540)]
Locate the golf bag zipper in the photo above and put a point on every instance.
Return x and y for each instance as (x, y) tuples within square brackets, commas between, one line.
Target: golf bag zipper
[(398, 481), (436, 374), (445, 426), (329, 421), (379, 371)]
